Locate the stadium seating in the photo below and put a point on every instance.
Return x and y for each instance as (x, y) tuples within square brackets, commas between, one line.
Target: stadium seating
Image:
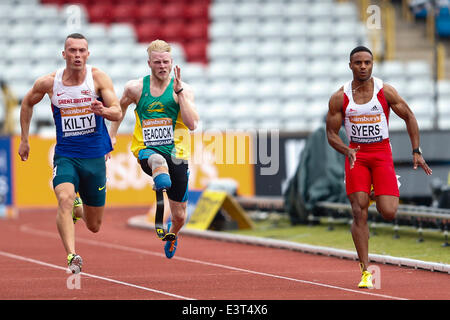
[(124, 13), (174, 20), (100, 13), (148, 12), (265, 64), (421, 8)]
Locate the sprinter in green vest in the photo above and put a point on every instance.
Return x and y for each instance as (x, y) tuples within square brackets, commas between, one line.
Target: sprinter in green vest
[(165, 113)]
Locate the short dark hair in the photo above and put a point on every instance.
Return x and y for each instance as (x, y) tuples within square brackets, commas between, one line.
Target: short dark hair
[(359, 49), (76, 35)]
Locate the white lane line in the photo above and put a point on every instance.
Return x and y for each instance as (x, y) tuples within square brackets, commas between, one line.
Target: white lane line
[(290, 279), (147, 252), (45, 264)]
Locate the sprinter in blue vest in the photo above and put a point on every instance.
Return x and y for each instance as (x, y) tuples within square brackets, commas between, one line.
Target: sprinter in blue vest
[(82, 97)]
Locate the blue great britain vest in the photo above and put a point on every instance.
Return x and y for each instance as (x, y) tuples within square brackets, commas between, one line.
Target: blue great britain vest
[(79, 132)]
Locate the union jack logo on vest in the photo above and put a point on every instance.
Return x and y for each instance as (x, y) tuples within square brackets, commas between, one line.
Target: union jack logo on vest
[(86, 92)]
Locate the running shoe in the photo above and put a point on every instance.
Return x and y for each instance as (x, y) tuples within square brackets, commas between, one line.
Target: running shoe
[(170, 247), (169, 236), (74, 262), (77, 203), (366, 280)]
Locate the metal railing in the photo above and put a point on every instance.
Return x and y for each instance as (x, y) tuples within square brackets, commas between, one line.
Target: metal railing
[(403, 211)]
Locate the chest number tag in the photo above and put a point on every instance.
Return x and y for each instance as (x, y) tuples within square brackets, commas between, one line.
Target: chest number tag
[(366, 128), (157, 132), (77, 121)]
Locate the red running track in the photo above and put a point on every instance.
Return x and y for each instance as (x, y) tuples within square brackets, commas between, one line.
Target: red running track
[(126, 263)]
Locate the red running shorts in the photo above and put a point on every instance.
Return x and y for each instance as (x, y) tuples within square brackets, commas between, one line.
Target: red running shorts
[(373, 166)]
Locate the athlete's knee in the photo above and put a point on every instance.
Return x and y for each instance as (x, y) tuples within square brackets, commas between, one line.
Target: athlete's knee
[(160, 171), (94, 229), (356, 210), (94, 226), (65, 200), (387, 210), (359, 215), (388, 213), (93, 218), (157, 163)]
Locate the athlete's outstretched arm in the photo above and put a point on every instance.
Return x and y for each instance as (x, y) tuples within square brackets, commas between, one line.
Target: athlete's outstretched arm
[(109, 109), (186, 101), (401, 108), (36, 93), (333, 125)]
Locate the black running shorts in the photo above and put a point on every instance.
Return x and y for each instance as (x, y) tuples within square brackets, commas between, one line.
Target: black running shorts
[(178, 171)]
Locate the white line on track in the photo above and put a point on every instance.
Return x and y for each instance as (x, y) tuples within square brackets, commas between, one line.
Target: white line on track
[(264, 274), (42, 263)]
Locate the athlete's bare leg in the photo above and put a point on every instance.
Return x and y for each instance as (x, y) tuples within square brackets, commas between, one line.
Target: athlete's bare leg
[(93, 217), (360, 229), (178, 210), (65, 194), (387, 206)]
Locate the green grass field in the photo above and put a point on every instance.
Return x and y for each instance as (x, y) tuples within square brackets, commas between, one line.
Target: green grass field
[(382, 242)]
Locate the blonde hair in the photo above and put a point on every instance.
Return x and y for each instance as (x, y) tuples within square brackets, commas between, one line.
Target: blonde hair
[(158, 46)]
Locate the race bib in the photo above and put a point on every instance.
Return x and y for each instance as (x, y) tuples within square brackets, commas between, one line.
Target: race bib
[(366, 128), (157, 132), (77, 121)]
